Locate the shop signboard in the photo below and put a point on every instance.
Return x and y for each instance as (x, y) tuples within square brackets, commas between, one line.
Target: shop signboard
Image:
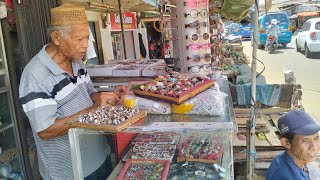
[(129, 21)]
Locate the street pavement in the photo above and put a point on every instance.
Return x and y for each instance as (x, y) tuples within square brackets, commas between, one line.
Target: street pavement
[(307, 72)]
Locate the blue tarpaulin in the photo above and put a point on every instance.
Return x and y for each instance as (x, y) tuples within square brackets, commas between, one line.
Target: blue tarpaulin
[(267, 94)]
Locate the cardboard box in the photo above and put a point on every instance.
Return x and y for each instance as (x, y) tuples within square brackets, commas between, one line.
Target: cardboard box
[(128, 70)]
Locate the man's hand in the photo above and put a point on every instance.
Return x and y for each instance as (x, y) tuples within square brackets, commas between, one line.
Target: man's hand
[(119, 90), (96, 98), (104, 98)]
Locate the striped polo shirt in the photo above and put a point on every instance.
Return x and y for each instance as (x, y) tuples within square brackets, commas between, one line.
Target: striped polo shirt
[(48, 93)]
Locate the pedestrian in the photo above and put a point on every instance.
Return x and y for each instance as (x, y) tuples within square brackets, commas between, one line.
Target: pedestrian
[(143, 51), (152, 49), (300, 137), (55, 89)]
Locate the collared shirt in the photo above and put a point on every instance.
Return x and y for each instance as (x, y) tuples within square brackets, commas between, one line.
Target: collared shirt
[(283, 167), (48, 93)]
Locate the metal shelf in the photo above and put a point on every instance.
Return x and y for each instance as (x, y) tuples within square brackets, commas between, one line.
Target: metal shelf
[(6, 127)]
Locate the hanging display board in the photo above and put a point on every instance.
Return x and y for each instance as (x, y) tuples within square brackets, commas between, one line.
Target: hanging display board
[(129, 21), (193, 46)]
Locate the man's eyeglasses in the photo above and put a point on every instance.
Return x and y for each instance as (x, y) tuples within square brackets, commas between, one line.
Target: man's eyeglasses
[(194, 13), (196, 24), (199, 46), (207, 57), (197, 68)]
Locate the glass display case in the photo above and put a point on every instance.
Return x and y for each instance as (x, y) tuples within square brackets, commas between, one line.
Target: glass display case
[(221, 127), (11, 165)]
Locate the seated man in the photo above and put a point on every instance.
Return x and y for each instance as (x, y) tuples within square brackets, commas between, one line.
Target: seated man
[(300, 137)]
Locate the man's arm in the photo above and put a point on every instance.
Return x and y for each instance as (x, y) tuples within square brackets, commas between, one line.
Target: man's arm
[(60, 127)]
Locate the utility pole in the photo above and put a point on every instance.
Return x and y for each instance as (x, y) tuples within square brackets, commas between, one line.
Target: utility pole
[(251, 123)]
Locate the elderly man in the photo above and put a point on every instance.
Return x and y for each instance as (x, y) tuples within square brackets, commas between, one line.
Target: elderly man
[(54, 89), (300, 137)]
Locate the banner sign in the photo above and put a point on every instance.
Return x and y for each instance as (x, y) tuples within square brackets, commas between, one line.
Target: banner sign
[(129, 21)]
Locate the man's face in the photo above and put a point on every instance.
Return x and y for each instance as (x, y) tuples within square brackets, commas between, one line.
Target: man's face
[(75, 45), (305, 148)]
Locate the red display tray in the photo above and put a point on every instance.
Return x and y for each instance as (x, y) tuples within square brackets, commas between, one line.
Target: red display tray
[(184, 96), (130, 162)]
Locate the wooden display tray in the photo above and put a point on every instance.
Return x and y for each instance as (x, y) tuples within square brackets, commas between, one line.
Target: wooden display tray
[(111, 128), (165, 171), (183, 96)]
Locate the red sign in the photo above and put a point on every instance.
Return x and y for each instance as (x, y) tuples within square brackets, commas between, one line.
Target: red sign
[(129, 21)]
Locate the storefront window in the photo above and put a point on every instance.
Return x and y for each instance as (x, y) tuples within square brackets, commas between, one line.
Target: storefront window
[(117, 46), (93, 60)]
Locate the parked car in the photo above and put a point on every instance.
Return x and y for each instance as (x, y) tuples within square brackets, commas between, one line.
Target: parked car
[(284, 24), (233, 29), (246, 30), (308, 37)]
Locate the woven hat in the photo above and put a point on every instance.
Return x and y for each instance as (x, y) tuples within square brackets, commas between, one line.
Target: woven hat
[(68, 14)]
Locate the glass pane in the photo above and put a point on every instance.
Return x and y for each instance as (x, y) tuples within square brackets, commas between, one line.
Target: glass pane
[(10, 163), (2, 81), (5, 111), (317, 27)]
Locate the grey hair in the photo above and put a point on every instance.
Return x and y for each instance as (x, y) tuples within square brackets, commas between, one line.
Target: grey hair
[(63, 30)]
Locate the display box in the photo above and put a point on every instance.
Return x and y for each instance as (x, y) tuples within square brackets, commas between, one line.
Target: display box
[(154, 70), (128, 70), (151, 62), (101, 70), (124, 61), (142, 169)]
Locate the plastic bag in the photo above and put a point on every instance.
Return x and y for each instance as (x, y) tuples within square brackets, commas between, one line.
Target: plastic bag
[(288, 71), (209, 102), (153, 107)]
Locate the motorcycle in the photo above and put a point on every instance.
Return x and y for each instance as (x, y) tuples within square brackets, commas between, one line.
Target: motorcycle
[(271, 45)]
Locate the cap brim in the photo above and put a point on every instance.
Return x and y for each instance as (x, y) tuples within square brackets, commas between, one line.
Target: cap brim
[(308, 129)]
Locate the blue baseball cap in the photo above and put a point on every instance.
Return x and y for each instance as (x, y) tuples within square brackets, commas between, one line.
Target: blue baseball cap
[(297, 122)]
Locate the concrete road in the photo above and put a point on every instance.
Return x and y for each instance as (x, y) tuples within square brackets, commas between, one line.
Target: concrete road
[(307, 72)]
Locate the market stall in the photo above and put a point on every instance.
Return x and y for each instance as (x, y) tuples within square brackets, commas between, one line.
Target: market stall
[(190, 118)]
